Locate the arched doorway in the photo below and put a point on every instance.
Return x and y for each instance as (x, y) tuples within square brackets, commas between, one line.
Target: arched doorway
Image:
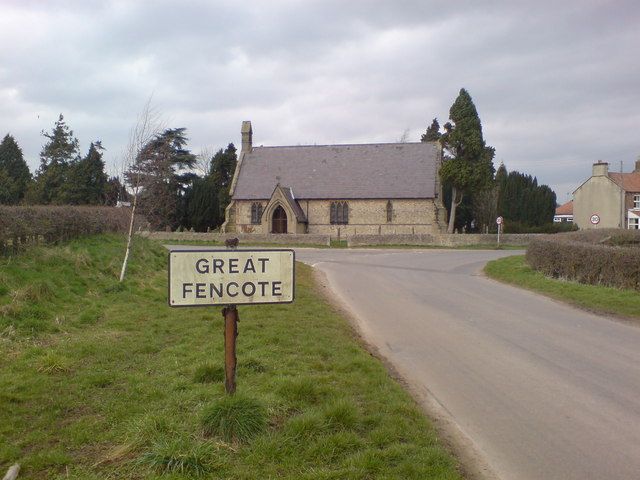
[(279, 223)]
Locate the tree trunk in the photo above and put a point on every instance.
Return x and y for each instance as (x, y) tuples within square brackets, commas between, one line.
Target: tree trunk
[(129, 238), (454, 204)]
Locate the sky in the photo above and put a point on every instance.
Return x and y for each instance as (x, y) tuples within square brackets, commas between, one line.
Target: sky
[(556, 84)]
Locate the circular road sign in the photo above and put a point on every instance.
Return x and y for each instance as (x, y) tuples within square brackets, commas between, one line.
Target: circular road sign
[(499, 220), (595, 219)]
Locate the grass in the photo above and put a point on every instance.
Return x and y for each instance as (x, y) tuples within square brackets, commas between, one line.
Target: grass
[(607, 300), (102, 380)]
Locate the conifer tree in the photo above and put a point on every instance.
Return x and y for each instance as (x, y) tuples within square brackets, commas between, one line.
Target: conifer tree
[(14, 172), (468, 161), (223, 166), (55, 157), (433, 132), (160, 172), (86, 179)]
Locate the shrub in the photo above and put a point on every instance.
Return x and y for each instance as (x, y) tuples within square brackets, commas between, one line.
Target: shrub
[(597, 257), (235, 418), (21, 226)]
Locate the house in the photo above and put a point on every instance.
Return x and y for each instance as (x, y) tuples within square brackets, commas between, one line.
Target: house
[(564, 213), (336, 190), (608, 199)]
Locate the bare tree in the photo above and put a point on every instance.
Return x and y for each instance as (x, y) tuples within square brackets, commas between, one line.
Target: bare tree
[(147, 126), (404, 138), (203, 160)]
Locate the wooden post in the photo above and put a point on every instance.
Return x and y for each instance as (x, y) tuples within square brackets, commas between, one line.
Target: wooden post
[(230, 314)]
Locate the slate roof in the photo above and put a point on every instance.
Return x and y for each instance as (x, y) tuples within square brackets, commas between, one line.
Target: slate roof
[(382, 170), (565, 209), (628, 181), (293, 203)]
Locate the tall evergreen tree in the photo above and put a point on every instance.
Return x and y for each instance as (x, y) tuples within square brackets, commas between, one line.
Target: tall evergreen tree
[(159, 170), (433, 132), (14, 172), (223, 166), (55, 157), (522, 201), (86, 179), (468, 161), (203, 210)]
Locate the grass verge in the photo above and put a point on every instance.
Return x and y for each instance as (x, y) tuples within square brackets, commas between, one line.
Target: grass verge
[(515, 271), (102, 380)]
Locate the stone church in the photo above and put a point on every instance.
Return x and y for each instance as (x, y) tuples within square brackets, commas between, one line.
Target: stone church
[(337, 190)]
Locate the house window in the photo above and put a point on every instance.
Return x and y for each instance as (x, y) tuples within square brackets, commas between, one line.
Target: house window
[(339, 213), (256, 213), (634, 223), (389, 212), (636, 201)]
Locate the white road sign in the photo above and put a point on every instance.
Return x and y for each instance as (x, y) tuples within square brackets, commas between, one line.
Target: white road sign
[(230, 277), (499, 220), (595, 219)]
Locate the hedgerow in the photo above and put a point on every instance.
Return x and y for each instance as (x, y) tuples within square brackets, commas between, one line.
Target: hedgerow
[(598, 257), (22, 226)]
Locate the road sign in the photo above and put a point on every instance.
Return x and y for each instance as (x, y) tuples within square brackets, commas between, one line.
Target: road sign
[(595, 219), (230, 277), (499, 220)]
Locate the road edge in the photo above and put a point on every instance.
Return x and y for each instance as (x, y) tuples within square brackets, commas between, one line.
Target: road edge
[(471, 463)]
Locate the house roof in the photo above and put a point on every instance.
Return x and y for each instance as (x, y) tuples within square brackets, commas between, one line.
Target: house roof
[(628, 181), (565, 209), (293, 203), (383, 170)]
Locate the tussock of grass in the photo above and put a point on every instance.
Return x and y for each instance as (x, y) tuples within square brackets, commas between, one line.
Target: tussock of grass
[(53, 362), (209, 373), (101, 381), (234, 418), (179, 456), (607, 300)]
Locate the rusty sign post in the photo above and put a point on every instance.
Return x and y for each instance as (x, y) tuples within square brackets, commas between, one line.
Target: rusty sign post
[(227, 278), (231, 318)]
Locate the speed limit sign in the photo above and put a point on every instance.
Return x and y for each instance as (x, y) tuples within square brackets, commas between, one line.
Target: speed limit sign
[(499, 220), (595, 219)]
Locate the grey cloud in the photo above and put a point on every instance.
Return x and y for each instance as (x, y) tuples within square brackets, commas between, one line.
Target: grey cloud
[(555, 82)]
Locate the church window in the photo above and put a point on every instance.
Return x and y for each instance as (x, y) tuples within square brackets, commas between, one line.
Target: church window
[(389, 212), (339, 213), (256, 213)]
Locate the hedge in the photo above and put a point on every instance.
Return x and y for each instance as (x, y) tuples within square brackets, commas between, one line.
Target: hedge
[(597, 257), (22, 226)]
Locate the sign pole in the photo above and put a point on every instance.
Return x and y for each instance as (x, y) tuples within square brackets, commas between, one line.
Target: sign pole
[(230, 314)]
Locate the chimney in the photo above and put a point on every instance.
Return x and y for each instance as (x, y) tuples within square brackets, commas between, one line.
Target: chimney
[(247, 136), (637, 169), (600, 169)]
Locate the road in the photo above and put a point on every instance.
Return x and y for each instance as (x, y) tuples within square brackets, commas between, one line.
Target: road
[(533, 389), (540, 389)]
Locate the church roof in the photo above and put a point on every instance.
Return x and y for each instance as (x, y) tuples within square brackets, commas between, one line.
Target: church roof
[(382, 170)]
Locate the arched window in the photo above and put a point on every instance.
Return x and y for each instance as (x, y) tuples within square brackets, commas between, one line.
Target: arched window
[(256, 213), (389, 212), (339, 213)]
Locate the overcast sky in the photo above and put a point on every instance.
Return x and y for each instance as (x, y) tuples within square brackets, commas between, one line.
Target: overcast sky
[(556, 84)]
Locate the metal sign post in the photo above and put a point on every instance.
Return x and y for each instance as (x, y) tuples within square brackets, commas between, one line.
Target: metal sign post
[(499, 222), (211, 277)]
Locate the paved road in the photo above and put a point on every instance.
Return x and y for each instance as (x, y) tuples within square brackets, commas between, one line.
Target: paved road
[(542, 390)]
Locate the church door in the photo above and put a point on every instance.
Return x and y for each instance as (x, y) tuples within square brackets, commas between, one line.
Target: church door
[(279, 224)]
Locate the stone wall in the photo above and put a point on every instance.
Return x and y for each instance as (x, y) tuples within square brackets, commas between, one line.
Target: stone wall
[(247, 239), (441, 240), (409, 216)]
